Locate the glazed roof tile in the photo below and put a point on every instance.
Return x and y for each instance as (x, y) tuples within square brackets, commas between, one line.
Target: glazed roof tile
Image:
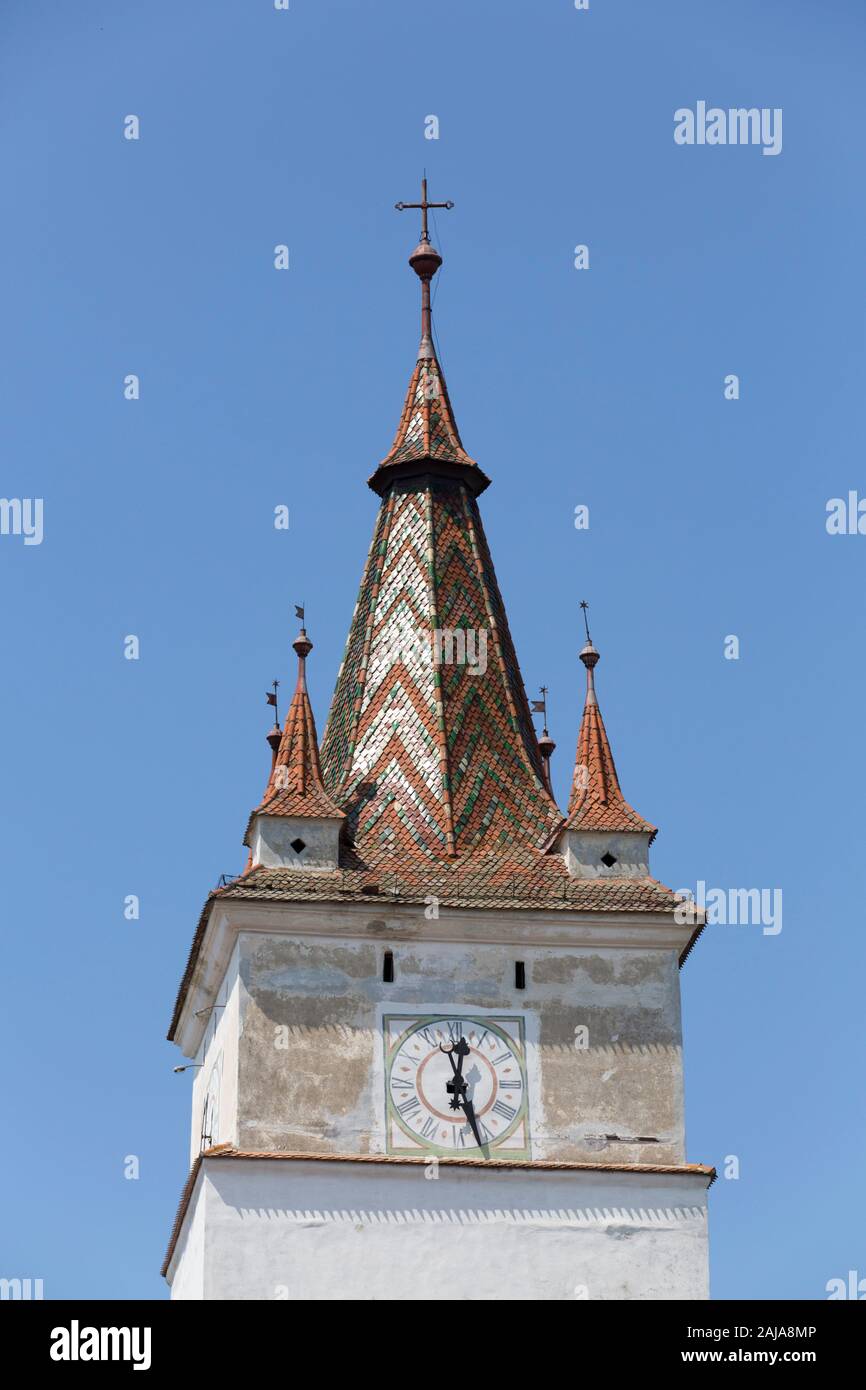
[(429, 744), (427, 428)]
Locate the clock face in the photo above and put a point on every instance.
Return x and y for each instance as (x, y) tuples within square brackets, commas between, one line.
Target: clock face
[(419, 1115)]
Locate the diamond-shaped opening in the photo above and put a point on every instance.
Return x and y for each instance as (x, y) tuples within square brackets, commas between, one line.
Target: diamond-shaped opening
[(608, 859), (298, 845)]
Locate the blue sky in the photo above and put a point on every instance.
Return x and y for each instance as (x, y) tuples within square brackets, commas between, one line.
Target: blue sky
[(601, 387)]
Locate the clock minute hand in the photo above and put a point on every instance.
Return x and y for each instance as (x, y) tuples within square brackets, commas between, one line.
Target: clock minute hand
[(458, 1086), (469, 1112)]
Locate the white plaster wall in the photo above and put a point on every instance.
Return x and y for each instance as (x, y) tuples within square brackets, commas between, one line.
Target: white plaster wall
[(186, 1271), (583, 850), (302, 1231), (272, 842)]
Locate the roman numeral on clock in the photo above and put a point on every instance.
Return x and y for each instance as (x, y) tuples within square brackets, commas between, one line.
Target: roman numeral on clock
[(506, 1111), (510, 1085), (428, 1129), (408, 1107)]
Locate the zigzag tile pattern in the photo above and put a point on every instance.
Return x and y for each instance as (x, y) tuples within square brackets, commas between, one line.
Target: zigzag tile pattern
[(427, 427), (433, 758)]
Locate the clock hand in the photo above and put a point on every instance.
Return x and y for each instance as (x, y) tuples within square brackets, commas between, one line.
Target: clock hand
[(461, 1048), (469, 1112), (456, 1087)]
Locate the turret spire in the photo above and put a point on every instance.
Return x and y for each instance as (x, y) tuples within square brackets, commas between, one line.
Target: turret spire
[(596, 801), (295, 786)]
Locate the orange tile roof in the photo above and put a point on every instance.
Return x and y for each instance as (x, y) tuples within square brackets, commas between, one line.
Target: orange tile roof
[(528, 882), (295, 786), (596, 801)]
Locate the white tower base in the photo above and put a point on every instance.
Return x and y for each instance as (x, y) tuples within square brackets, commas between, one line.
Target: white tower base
[(301, 1228)]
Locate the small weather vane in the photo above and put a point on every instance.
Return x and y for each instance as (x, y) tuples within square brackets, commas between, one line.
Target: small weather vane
[(540, 706), (271, 697)]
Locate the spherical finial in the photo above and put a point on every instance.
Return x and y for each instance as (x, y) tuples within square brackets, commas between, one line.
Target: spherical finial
[(273, 737), (425, 260), (302, 644), (589, 656)]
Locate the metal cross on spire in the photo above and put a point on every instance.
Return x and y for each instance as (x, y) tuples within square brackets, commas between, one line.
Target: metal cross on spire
[(425, 261), (423, 205)]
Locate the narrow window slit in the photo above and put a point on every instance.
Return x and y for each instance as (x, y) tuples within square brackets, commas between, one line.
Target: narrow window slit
[(519, 975), (388, 968)]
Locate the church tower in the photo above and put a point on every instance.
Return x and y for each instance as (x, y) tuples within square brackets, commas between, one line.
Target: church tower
[(435, 1023)]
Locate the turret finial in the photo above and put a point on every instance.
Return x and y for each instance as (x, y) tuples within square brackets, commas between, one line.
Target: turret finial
[(546, 745), (589, 656), (274, 735), (302, 645)]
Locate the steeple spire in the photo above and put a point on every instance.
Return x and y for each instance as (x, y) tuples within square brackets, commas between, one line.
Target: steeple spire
[(596, 801), (429, 746), (427, 434)]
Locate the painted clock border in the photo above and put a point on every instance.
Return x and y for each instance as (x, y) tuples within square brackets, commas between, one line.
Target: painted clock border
[(510, 1029)]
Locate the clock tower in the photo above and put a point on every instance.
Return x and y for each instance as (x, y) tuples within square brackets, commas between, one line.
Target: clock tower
[(435, 1022)]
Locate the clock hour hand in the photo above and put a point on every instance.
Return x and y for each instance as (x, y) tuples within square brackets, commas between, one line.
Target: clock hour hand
[(456, 1087)]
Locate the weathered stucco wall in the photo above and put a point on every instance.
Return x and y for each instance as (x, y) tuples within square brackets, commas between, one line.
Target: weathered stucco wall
[(217, 1074), (310, 1064), (281, 1229)]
